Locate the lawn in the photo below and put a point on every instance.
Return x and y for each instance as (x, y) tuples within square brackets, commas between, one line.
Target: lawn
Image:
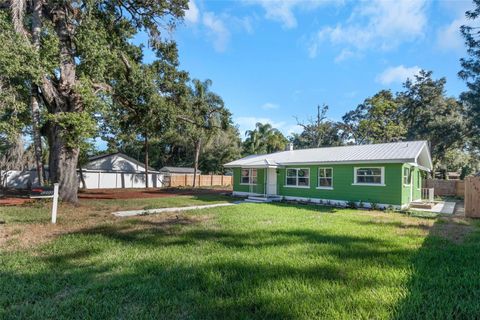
[(249, 261)]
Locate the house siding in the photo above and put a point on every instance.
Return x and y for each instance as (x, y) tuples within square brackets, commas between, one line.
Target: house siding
[(393, 193), (258, 188), (417, 177), (343, 178)]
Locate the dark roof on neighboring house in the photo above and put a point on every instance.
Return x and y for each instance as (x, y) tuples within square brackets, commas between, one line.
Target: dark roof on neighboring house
[(123, 155), (183, 170)]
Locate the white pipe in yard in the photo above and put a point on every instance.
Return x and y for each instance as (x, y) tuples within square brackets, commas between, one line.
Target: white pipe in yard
[(55, 203)]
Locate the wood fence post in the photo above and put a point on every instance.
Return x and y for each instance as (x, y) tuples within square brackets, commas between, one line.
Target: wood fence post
[(222, 181)]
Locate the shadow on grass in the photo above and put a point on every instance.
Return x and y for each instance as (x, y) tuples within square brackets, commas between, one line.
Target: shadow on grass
[(95, 274), (446, 275)]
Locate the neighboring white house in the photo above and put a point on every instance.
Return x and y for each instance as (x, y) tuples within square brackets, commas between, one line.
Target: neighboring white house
[(115, 170), (178, 171), (118, 170)]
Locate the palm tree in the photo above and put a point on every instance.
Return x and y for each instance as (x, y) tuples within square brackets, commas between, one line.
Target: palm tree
[(206, 113), (264, 139)]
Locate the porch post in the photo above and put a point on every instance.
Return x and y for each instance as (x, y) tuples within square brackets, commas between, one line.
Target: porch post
[(265, 173)]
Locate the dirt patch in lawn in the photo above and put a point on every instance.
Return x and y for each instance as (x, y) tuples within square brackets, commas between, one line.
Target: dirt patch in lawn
[(81, 219), (455, 229), (146, 193)]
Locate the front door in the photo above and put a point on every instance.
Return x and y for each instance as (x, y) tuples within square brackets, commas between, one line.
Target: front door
[(272, 181)]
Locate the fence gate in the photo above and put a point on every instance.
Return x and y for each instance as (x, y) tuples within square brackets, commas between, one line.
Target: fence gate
[(472, 197)]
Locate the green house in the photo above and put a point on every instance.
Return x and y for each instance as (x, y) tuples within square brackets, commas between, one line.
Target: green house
[(387, 174)]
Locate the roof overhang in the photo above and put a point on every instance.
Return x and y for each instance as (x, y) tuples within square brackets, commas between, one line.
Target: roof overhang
[(251, 166), (424, 159), (345, 162), (414, 164)]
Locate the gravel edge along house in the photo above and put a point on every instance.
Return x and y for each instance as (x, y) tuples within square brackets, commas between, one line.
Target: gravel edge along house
[(386, 174)]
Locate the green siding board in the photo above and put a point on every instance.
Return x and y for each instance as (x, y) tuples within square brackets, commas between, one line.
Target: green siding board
[(394, 192), (417, 177), (343, 176)]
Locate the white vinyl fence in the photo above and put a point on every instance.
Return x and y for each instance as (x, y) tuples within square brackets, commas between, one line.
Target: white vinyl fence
[(112, 180), (93, 179)]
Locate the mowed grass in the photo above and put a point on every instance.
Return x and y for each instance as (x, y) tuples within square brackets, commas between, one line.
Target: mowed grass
[(40, 210), (249, 261)]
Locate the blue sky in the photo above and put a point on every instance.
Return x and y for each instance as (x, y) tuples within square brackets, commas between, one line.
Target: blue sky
[(272, 61)]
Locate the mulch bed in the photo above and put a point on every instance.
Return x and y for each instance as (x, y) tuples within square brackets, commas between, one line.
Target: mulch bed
[(13, 201), (144, 193)]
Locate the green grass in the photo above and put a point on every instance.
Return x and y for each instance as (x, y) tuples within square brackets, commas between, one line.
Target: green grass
[(36, 212), (251, 261), (153, 203), (40, 210)]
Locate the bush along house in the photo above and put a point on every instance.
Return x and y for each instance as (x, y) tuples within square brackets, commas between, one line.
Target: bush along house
[(383, 175)]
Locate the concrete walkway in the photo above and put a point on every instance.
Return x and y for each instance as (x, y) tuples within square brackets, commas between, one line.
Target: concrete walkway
[(132, 213), (440, 207)]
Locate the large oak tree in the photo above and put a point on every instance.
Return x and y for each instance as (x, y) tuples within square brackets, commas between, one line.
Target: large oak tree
[(68, 54)]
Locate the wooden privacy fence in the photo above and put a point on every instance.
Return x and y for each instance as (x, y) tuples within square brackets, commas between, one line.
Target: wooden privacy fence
[(472, 197), (447, 187), (184, 180)]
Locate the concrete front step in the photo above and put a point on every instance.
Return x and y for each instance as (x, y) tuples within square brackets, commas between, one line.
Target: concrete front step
[(422, 205)]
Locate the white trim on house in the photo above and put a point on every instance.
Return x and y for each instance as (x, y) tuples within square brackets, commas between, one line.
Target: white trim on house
[(250, 177), (413, 164), (409, 177), (319, 187), (429, 158), (382, 177), (297, 177)]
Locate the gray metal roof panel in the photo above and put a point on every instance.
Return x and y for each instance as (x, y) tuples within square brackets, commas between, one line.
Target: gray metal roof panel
[(397, 151)]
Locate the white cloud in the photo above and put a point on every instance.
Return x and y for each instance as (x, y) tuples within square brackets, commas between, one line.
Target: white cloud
[(449, 36), (269, 106), (397, 74), (293, 129), (283, 10), (217, 31), (344, 55), (192, 14), (217, 27), (375, 24)]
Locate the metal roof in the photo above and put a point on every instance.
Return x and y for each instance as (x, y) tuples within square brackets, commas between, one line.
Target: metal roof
[(179, 170), (119, 154), (408, 151)]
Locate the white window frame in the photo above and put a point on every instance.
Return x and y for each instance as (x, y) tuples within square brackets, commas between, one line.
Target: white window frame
[(318, 179), (250, 176), (296, 178), (382, 177), (409, 176)]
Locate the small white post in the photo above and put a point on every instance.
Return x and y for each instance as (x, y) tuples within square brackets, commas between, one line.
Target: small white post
[(55, 203)]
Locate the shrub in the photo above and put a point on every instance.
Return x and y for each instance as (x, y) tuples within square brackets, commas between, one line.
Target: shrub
[(351, 205)]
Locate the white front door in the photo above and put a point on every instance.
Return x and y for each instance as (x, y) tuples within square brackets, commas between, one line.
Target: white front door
[(271, 181)]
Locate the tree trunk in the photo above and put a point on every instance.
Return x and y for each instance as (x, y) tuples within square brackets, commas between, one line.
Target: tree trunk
[(146, 160), (63, 158), (63, 164), (198, 145), (34, 105), (82, 178), (37, 139)]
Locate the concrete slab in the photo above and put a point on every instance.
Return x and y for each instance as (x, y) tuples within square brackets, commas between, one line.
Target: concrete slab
[(132, 213), (440, 207)]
